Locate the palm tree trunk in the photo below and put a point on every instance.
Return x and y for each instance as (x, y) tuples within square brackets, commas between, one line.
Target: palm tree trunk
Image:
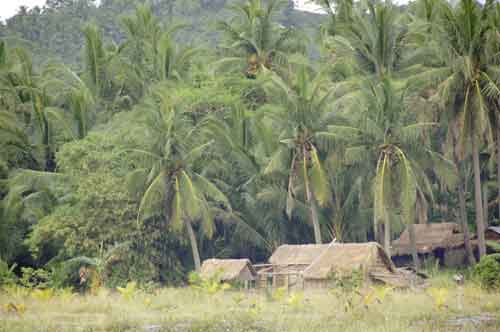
[(314, 214), (413, 246), (387, 236), (462, 207), (485, 205), (498, 163), (194, 245), (477, 197), (462, 212)]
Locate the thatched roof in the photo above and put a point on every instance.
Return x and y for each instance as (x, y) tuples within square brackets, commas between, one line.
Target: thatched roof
[(346, 257), (429, 237), (300, 254), (228, 269)]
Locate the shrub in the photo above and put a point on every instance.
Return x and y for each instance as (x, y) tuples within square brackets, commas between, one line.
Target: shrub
[(493, 247), (488, 271), (347, 282), (7, 276), (210, 285), (35, 278)]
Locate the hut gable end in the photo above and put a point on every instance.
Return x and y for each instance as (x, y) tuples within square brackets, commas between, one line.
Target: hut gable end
[(228, 269)]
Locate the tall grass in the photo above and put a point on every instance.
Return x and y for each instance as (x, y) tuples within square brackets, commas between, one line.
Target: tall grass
[(193, 310)]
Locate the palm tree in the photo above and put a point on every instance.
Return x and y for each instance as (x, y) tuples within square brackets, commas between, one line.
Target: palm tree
[(30, 92), (80, 103), (382, 133), (171, 180), (95, 60), (465, 81), (370, 42), (253, 37), (172, 60), (143, 33), (492, 90), (299, 112), (373, 42), (430, 62), (31, 197)]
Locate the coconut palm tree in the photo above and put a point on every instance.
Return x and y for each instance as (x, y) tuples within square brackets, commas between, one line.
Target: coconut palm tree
[(370, 43), (171, 180), (492, 89), (381, 131), (29, 93), (253, 38), (143, 32), (299, 113), (465, 80), (95, 58), (429, 64), (173, 61), (374, 44)]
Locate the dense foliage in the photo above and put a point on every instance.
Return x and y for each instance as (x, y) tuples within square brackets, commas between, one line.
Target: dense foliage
[(488, 271), (137, 138)]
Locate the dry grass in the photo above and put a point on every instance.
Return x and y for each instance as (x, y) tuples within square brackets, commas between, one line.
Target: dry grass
[(186, 309)]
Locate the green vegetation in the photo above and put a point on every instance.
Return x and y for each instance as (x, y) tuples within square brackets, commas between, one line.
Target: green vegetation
[(488, 271)]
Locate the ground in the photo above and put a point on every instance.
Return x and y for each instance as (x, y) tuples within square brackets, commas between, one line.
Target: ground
[(444, 306)]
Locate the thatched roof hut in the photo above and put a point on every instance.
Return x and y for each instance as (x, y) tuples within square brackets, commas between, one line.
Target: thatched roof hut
[(428, 238), (312, 265), (445, 241), (344, 258), (228, 269)]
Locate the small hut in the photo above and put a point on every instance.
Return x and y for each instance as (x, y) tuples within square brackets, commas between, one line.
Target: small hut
[(442, 241), (229, 270), (369, 259)]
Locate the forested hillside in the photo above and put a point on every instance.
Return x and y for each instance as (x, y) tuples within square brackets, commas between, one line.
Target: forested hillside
[(55, 31), (142, 137)]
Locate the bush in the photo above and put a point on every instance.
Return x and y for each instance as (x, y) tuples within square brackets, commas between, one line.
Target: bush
[(493, 247), (488, 271), (7, 276), (347, 282), (35, 278)]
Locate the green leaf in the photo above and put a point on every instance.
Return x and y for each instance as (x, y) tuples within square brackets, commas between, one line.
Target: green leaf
[(319, 180), (210, 190), (191, 201)]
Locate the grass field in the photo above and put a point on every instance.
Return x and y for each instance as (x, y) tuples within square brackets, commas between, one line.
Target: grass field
[(442, 307)]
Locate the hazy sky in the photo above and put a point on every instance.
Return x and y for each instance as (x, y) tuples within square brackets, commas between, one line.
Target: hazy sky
[(10, 7)]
